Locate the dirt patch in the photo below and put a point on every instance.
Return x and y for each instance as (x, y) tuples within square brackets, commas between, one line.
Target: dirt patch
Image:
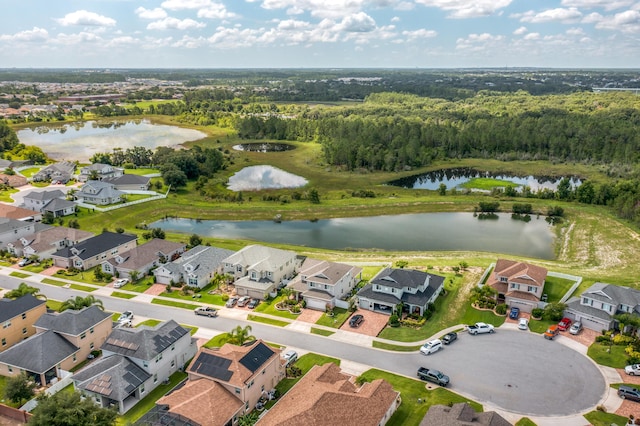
[(371, 326), (156, 289), (469, 281), (309, 315)]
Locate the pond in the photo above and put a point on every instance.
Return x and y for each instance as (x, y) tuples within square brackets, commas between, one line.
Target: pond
[(455, 177), (80, 140), (255, 178), (410, 232), (264, 147)]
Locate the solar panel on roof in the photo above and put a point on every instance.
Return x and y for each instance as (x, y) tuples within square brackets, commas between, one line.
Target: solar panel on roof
[(213, 366), (256, 357)]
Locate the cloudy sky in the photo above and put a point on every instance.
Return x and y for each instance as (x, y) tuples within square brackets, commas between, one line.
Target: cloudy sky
[(320, 33)]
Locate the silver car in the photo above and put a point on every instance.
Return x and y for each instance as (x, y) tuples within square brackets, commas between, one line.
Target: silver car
[(576, 328)]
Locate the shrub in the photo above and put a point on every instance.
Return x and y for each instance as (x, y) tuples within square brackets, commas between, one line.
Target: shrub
[(537, 312), (295, 309), (603, 339), (623, 340), (601, 408), (501, 309), (394, 321), (225, 297)]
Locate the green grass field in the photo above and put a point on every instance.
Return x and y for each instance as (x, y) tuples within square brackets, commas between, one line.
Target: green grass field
[(487, 184), (270, 321), (613, 356)]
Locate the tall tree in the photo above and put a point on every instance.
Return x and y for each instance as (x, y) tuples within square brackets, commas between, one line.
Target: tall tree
[(69, 409), (22, 290), (80, 302), (19, 388), (240, 335)]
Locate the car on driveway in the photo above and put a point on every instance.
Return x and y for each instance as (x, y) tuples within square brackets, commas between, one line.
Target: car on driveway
[(514, 313), (576, 328), (253, 303), (231, 302), (243, 301), (431, 346), (551, 332), (356, 320), (206, 311), (564, 324), (125, 316), (632, 370), (627, 392), (290, 357), (24, 261), (523, 324), (121, 282), (449, 337)]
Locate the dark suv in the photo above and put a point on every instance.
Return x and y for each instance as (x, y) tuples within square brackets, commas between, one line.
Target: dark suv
[(627, 392), (356, 320)]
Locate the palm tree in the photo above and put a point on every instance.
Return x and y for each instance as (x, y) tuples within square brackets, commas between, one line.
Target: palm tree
[(24, 289), (80, 302), (240, 335)]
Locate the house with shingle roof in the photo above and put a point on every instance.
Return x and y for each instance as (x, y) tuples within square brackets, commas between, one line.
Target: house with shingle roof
[(17, 317), (415, 290), (129, 182), (322, 283), (36, 200), (58, 172), (44, 243), (326, 395), (103, 171), (260, 270), (59, 207), (12, 229), (143, 258), (99, 193), (93, 251), (18, 213), (597, 305), (461, 414), (196, 267), (519, 284), (134, 362)]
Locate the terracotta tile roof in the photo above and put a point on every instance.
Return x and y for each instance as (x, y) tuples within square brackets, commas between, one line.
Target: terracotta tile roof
[(520, 272), (325, 395), (13, 212), (461, 414), (203, 401), (523, 295)]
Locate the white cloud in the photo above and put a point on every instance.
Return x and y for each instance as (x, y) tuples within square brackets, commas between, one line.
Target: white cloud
[(395, 19), (334, 9), (532, 36), (591, 4), (293, 25), (461, 9), (157, 13), (36, 34), (419, 34), (550, 15), (592, 18), (82, 37), (357, 23), (575, 31), (83, 17), (627, 22), (520, 31), (188, 42), (175, 24), (215, 11), (185, 4)]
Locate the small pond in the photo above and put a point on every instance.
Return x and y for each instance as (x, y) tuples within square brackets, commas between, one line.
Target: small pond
[(454, 178), (255, 178), (264, 147), (80, 140), (410, 232)]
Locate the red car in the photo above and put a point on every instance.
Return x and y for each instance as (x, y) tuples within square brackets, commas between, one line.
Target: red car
[(564, 324)]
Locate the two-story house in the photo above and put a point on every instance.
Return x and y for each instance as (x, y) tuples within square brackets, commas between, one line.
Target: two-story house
[(44, 243), (390, 287), (11, 230), (130, 182), (99, 171), (99, 193), (61, 172), (94, 251), (235, 377), (597, 305), (260, 270), (17, 317), (134, 362), (322, 283), (143, 258), (519, 284), (196, 267)]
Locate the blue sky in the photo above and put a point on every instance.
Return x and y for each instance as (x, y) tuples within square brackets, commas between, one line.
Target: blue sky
[(320, 33)]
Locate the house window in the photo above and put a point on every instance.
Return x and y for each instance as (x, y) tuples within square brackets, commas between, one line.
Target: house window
[(91, 345), (239, 268), (155, 378), (531, 289), (24, 316), (173, 347), (393, 290), (503, 279), (83, 335), (262, 388), (24, 330), (91, 330), (4, 342), (74, 357), (10, 369), (237, 390), (6, 324), (173, 363), (142, 388), (145, 364)]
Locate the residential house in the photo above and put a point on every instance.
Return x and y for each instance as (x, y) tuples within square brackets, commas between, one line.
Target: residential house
[(12, 164), (99, 193), (11, 229), (519, 284), (130, 182), (17, 318), (143, 258), (37, 200), (461, 414), (14, 181), (326, 395), (87, 329), (99, 171), (597, 305), (44, 243), (134, 362), (18, 213), (322, 283), (196, 267), (260, 270), (390, 287), (93, 251), (237, 376), (61, 172)]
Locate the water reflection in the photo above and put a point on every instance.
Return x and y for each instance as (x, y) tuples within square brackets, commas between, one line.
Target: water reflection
[(255, 178), (264, 147)]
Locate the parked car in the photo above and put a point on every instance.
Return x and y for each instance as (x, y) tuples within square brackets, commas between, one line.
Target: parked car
[(231, 302), (206, 311), (514, 313), (125, 316), (449, 337), (576, 328), (627, 392), (564, 324), (253, 303), (523, 324), (434, 376), (24, 262), (120, 283), (551, 332), (431, 346), (632, 370), (356, 320), (480, 328), (290, 357), (243, 301)]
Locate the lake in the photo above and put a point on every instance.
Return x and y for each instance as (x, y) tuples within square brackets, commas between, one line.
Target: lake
[(410, 232), (80, 140), (255, 178)]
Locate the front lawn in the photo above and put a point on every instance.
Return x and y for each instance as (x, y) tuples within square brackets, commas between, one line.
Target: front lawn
[(416, 399), (5, 196), (339, 317), (321, 331), (610, 356), (598, 418), (38, 267), (19, 274), (269, 321), (87, 276), (149, 323), (122, 295), (540, 326), (29, 172), (202, 296), (68, 285), (396, 348), (139, 286), (525, 421), (141, 171), (269, 307), (555, 288), (174, 304), (217, 341), (54, 305)]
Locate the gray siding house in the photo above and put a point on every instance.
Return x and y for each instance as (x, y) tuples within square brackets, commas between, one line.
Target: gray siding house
[(196, 267), (99, 193)]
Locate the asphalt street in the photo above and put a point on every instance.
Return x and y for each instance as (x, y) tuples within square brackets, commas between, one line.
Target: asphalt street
[(518, 371)]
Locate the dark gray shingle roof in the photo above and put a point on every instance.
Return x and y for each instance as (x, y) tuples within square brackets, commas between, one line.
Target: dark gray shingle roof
[(12, 308), (39, 353), (144, 343), (400, 278), (73, 322), (128, 180), (95, 245), (115, 377)]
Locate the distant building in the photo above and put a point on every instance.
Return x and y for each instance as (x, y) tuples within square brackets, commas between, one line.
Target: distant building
[(196, 267), (46, 242), (11, 229), (61, 172), (461, 414), (129, 182), (101, 171), (99, 193), (94, 251), (37, 200)]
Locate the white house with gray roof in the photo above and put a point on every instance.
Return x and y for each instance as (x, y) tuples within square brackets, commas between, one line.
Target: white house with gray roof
[(12, 229), (101, 171), (37, 200), (130, 182), (597, 305), (260, 270), (99, 193), (59, 172), (46, 242), (143, 258), (196, 267), (134, 362)]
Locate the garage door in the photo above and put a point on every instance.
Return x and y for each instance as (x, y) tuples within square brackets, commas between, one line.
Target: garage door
[(256, 294), (524, 307), (592, 325), (317, 304)]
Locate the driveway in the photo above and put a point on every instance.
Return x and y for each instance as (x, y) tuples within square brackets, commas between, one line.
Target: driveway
[(371, 326)]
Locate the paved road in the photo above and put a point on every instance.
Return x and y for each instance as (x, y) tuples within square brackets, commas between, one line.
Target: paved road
[(518, 371)]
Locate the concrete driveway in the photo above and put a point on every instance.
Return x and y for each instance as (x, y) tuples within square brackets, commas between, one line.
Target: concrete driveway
[(372, 325)]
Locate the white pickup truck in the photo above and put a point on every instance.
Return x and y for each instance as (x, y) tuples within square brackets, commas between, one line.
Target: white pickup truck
[(480, 328)]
